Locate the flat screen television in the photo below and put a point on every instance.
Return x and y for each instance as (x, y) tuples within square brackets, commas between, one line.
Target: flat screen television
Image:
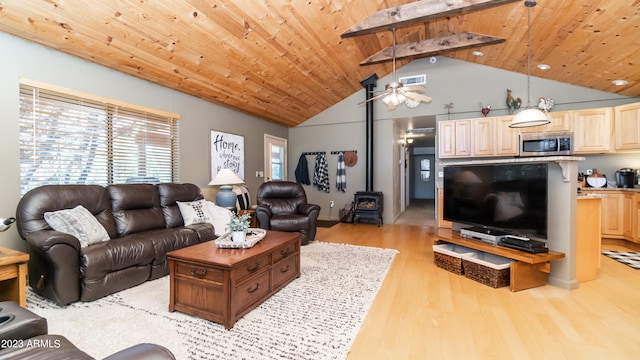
[(508, 197)]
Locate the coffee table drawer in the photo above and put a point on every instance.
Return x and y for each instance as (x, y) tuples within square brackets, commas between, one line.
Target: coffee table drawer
[(283, 252), (200, 272), (252, 290), (250, 267), (284, 270)]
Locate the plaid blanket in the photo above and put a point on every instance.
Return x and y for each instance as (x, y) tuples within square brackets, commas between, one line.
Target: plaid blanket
[(341, 174), (321, 173)]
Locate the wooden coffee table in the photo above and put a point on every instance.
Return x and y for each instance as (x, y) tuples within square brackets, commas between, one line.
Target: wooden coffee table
[(222, 285)]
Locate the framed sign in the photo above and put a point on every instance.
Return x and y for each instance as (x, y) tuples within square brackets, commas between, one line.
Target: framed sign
[(227, 152)]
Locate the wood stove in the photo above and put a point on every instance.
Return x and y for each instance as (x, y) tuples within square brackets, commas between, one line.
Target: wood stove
[(368, 206)]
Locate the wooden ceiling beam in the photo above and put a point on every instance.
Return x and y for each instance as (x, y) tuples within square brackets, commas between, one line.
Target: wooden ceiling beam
[(432, 47), (417, 12)]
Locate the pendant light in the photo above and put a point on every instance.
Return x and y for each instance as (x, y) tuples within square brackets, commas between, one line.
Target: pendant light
[(529, 116)]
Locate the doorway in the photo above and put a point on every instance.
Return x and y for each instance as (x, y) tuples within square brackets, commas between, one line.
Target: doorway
[(418, 178), (275, 158)]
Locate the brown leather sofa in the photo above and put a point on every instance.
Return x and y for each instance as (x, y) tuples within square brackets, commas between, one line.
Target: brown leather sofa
[(24, 335), (143, 222), (282, 205)]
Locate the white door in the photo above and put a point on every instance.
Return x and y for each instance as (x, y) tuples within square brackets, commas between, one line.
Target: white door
[(275, 158)]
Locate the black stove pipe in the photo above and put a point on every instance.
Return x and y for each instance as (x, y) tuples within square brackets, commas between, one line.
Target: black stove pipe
[(369, 83)]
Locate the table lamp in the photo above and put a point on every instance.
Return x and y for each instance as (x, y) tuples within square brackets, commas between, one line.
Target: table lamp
[(225, 178)]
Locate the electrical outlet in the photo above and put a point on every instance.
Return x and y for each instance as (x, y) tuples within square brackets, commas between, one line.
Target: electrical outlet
[(589, 172), (331, 204)]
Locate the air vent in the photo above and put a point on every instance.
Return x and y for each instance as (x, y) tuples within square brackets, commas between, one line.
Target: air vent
[(414, 80)]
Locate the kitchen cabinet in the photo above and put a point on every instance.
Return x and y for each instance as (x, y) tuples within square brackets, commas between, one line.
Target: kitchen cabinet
[(626, 126), (560, 121), (620, 214), (507, 141), (612, 214), (454, 138), (592, 131), (483, 137), (628, 215), (492, 136)]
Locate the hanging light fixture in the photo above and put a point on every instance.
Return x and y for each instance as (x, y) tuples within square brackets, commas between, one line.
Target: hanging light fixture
[(529, 116), (396, 97)]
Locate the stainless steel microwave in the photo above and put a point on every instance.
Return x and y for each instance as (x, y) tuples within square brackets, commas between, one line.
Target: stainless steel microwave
[(546, 144)]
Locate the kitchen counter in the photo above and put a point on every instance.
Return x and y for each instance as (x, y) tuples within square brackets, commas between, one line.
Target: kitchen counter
[(611, 188)]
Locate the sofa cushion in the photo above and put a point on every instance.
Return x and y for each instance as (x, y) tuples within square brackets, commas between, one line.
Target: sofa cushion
[(136, 208), (78, 222), (170, 193), (116, 254), (36, 202)]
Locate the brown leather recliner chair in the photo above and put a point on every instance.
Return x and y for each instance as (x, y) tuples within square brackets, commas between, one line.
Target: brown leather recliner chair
[(282, 205)]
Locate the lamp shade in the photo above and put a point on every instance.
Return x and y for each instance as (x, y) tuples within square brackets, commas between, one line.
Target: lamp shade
[(529, 117), (225, 178)]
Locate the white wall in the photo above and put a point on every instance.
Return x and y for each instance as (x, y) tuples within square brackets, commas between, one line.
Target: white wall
[(21, 59), (464, 84)]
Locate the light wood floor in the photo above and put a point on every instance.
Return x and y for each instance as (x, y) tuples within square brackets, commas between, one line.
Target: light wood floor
[(424, 312)]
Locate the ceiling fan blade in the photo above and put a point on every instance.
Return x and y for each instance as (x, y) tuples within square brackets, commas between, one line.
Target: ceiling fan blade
[(417, 97), (391, 106), (375, 98), (413, 87)]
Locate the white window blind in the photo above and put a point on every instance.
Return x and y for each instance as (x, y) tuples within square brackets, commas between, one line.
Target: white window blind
[(71, 139)]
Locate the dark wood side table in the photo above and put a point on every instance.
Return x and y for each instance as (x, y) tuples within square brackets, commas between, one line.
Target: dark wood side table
[(252, 216), (13, 275)]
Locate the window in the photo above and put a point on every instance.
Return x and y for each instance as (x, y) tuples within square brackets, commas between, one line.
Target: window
[(72, 138)]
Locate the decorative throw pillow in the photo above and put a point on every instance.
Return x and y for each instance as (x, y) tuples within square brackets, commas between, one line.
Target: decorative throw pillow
[(194, 212), (78, 222), (221, 218)]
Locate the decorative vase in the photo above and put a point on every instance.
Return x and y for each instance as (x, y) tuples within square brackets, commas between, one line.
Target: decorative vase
[(238, 236)]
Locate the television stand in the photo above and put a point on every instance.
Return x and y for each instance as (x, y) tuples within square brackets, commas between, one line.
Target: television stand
[(527, 270)]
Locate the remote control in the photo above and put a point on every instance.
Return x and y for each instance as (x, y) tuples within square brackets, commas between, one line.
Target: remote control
[(518, 237)]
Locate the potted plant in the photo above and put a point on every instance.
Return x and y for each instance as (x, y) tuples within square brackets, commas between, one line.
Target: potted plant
[(238, 225)]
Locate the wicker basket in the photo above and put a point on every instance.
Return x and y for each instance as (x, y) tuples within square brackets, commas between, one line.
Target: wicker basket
[(488, 269), (449, 257)]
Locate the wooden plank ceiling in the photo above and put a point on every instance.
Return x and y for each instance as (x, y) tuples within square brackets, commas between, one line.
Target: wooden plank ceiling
[(285, 60)]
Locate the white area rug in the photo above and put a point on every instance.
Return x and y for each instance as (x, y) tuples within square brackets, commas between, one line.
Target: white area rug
[(314, 317)]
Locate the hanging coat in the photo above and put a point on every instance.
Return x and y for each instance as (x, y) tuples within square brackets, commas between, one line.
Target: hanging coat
[(302, 171), (321, 173), (341, 174)]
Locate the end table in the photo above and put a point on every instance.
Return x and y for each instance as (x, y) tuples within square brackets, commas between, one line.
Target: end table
[(13, 275)]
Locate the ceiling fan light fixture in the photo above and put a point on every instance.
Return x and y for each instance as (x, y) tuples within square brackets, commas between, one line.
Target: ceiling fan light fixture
[(529, 116), (412, 103)]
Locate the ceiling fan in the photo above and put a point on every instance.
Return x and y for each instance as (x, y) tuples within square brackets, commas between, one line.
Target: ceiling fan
[(396, 93)]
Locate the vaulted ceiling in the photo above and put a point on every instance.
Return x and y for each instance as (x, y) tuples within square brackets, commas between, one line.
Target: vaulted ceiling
[(285, 60)]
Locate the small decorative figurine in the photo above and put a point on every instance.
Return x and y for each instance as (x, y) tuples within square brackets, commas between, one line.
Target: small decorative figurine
[(545, 104), (513, 104), (485, 109)]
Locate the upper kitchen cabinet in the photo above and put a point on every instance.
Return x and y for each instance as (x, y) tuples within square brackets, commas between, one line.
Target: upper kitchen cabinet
[(560, 121), (627, 127), (506, 137), (592, 131), (454, 138)]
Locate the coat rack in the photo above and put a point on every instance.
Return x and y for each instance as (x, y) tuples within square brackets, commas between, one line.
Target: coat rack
[(343, 151)]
